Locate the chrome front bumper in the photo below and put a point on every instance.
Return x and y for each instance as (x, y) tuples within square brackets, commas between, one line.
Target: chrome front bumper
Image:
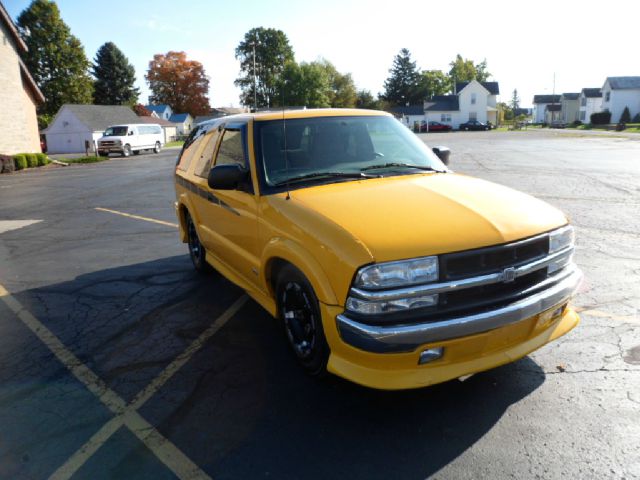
[(406, 338)]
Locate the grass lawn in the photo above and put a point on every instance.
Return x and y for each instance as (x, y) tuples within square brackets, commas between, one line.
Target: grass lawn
[(178, 143), (92, 159)]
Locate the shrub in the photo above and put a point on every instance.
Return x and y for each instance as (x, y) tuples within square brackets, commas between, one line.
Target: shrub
[(576, 123), (32, 160), (20, 161), (636, 119), (626, 116), (42, 159), (601, 118)]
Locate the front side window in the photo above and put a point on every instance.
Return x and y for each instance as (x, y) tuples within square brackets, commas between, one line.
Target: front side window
[(331, 149)]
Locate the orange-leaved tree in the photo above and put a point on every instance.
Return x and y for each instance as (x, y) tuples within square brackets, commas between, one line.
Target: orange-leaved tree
[(180, 83)]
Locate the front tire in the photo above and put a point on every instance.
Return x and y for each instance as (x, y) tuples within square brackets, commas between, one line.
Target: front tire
[(196, 250), (299, 311), (126, 151), (157, 147)]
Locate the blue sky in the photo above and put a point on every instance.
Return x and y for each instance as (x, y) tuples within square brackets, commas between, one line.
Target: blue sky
[(524, 43)]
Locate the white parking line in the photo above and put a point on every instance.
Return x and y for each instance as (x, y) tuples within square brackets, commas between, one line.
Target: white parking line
[(126, 415), (8, 225), (137, 217)]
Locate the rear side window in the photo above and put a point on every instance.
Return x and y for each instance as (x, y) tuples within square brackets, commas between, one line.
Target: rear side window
[(190, 147)]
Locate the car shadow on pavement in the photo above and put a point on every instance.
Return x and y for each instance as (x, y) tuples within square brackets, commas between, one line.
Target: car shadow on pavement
[(240, 407)]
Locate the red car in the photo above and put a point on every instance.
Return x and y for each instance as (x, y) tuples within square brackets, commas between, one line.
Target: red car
[(435, 127)]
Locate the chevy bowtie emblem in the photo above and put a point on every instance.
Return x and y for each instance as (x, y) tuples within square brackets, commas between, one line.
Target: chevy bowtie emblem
[(508, 275)]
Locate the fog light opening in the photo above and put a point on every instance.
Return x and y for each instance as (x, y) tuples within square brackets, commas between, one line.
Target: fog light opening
[(430, 354)]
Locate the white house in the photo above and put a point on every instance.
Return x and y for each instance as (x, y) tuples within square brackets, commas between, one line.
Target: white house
[(74, 125), (162, 111), (540, 103), (474, 101), (183, 121), (621, 92), (552, 113), (409, 115), (569, 107), (590, 102)]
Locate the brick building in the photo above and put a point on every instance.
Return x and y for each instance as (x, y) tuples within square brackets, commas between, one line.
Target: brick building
[(19, 94)]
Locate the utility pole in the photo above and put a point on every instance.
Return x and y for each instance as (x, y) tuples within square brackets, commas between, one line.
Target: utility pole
[(255, 79)]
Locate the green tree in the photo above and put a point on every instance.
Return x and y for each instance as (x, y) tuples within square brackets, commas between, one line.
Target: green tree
[(464, 70), (515, 100), (434, 82), (56, 58), (304, 84), (272, 53), (115, 77), (365, 99), (402, 85), (626, 116), (342, 90), (505, 111)]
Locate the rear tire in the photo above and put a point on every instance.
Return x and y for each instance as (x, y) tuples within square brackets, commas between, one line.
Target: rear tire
[(196, 250), (299, 311)]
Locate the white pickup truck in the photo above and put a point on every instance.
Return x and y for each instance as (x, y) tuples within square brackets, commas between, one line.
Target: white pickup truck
[(131, 138)]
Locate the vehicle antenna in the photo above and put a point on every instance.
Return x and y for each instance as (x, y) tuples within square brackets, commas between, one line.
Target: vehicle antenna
[(284, 131)]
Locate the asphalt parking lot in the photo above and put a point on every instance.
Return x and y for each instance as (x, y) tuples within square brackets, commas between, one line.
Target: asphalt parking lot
[(118, 361)]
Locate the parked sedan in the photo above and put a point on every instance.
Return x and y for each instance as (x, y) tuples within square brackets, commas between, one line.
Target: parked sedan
[(474, 125), (435, 127)]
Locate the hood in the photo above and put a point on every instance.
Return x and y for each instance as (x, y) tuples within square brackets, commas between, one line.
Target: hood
[(426, 214)]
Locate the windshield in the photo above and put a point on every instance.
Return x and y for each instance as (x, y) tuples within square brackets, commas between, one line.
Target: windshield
[(115, 132), (348, 145)]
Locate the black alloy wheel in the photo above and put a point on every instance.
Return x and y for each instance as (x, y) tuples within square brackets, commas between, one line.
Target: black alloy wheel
[(196, 250), (300, 313)]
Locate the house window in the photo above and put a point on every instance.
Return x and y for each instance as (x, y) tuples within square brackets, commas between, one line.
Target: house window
[(473, 99), (445, 117), (473, 116), (583, 115), (583, 101), (607, 96)]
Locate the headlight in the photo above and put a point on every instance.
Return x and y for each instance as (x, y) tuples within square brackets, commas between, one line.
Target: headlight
[(561, 238), (398, 274), (368, 307)]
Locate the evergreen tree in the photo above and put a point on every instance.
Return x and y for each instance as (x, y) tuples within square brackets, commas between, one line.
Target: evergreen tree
[(56, 58), (626, 115), (515, 100), (115, 77), (402, 85)]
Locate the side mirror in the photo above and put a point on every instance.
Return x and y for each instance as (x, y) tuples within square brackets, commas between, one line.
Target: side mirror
[(130, 132), (227, 177), (442, 153)]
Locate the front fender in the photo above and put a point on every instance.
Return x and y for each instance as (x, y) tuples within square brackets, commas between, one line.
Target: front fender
[(299, 257)]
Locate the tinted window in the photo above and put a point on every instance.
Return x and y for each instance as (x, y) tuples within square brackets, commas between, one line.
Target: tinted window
[(189, 148), (115, 132), (203, 164), (231, 149)]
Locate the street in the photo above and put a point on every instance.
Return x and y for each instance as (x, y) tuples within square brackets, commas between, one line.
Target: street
[(117, 360)]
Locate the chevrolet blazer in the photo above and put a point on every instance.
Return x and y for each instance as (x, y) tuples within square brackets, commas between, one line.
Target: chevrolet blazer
[(382, 265)]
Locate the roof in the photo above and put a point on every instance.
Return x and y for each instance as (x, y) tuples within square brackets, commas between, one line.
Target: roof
[(623, 83), (553, 108), (592, 92), (179, 117), (546, 98), (156, 121), (157, 108), (21, 48), (570, 96), (408, 110), (228, 111), (308, 113), (204, 118), (442, 103), (99, 117), (493, 87)]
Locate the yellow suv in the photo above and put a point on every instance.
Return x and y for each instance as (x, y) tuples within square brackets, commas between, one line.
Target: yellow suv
[(384, 266)]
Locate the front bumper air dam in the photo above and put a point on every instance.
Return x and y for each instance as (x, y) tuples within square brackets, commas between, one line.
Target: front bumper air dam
[(406, 338)]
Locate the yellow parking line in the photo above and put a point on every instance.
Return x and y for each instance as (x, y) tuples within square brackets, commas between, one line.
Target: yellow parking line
[(126, 415), (599, 313), (137, 217)]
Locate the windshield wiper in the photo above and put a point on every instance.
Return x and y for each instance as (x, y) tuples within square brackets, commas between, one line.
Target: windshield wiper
[(397, 164), (314, 175)]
